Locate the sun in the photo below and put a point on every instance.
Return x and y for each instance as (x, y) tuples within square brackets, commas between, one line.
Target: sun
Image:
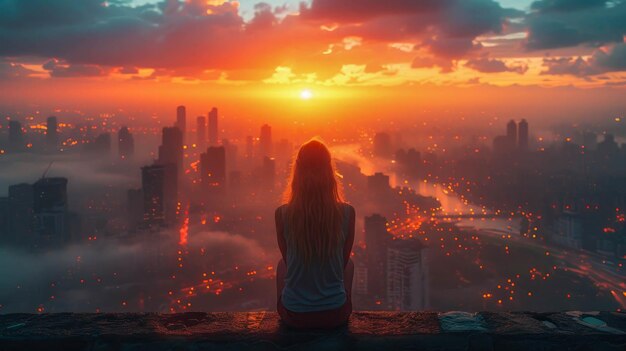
[(306, 94)]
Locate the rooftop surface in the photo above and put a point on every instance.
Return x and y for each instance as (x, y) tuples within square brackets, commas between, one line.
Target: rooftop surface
[(366, 331)]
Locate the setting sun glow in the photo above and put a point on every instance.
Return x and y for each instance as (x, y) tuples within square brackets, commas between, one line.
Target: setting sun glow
[(306, 94)]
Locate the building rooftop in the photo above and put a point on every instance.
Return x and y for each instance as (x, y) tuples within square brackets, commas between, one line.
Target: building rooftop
[(366, 331)]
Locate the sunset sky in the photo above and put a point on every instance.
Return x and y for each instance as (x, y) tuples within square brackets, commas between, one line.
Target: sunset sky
[(440, 51)]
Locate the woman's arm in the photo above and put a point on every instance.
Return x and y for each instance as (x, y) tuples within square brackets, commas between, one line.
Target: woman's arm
[(347, 246), (280, 237)]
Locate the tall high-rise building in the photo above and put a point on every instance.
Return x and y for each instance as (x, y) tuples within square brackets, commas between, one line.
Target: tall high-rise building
[(407, 276), (171, 148), (522, 139), (376, 240), (125, 143), (213, 131), (21, 220), (213, 167), (52, 133), (160, 193), (181, 119), (4, 220), (249, 147), (201, 132), (268, 173), (382, 145), (16, 136), (265, 141), (378, 185), (232, 152), (135, 209), (101, 145), (511, 133), (51, 210)]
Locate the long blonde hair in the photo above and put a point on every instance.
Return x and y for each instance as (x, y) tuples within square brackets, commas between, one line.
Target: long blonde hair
[(314, 199)]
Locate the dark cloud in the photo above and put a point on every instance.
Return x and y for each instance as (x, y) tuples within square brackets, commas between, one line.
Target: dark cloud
[(488, 65), (59, 70), (10, 70), (567, 66), (359, 10), (602, 61), (613, 60), (561, 23), (446, 29), (566, 5)]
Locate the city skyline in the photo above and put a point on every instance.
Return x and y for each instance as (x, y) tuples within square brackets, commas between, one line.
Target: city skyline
[(146, 145)]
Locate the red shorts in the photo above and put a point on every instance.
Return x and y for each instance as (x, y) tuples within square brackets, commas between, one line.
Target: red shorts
[(317, 319)]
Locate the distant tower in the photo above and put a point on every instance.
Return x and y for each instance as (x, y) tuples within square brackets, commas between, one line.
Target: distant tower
[(134, 209), (213, 168), (213, 131), (51, 210), (16, 137), (265, 141), (382, 145), (407, 276), (201, 132), (160, 194), (52, 134), (378, 185), (268, 173), (523, 135), (102, 144), (511, 133), (125, 143), (171, 149), (181, 119), (21, 220), (376, 240), (249, 146)]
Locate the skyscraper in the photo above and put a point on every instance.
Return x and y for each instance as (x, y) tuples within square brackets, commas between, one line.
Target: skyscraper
[(523, 135), (171, 148), (135, 209), (201, 132), (21, 220), (51, 210), (511, 133), (407, 276), (268, 173), (213, 167), (160, 194), (376, 240), (249, 146), (126, 143), (382, 145), (265, 141), (378, 185), (181, 119), (213, 131), (102, 144), (16, 136), (52, 134), (4, 220)]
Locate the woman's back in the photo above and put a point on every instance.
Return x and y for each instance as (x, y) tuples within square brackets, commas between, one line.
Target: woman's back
[(314, 286), (315, 233)]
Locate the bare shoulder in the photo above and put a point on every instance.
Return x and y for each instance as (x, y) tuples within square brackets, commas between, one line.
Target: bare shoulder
[(351, 209)]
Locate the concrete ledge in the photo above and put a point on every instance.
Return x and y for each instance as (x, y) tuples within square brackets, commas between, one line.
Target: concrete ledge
[(366, 331)]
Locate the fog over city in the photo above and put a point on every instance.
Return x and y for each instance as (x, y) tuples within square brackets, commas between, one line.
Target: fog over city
[(496, 214)]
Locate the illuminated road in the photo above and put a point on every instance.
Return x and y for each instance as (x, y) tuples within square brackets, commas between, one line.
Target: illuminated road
[(589, 265), (586, 264)]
